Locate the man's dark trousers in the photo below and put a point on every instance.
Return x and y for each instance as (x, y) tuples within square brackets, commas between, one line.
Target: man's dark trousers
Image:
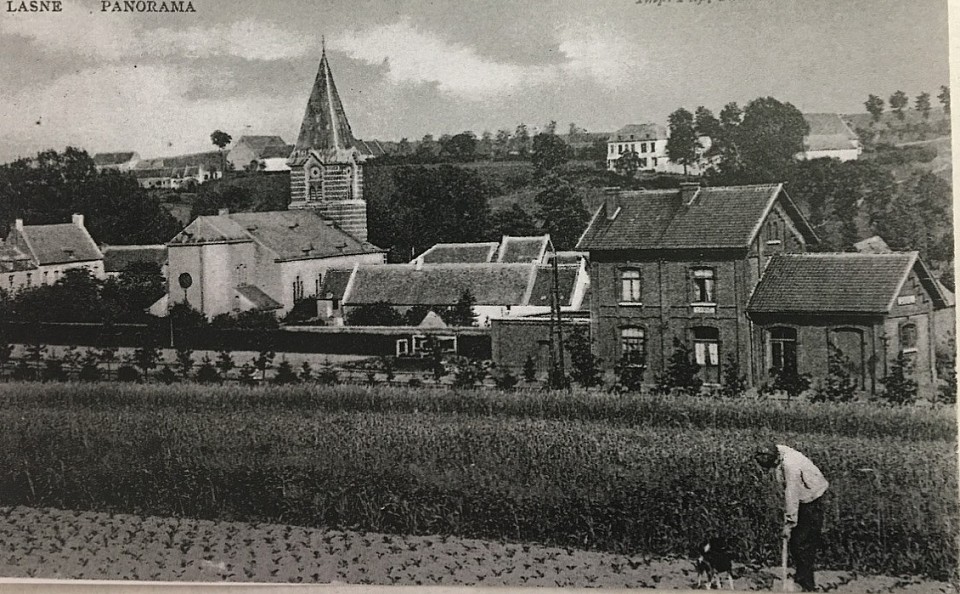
[(804, 542)]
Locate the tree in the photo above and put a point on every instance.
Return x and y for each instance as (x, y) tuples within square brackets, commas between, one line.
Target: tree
[(585, 367), (285, 374), (898, 386), (221, 139), (428, 150), (917, 217), (52, 186), (628, 164), (501, 144), (485, 145), (705, 123), (944, 98), (147, 356), (207, 372), (682, 143), (463, 313), (185, 362), (521, 140), (374, 314), (768, 138), (922, 104), (681, 374), (225, 363), (461, 147), (551, 128), (560, 207), (264, 361), (734, 383), (874, 105), (513, 221), (549, 152), (403, 147), (897, 102)]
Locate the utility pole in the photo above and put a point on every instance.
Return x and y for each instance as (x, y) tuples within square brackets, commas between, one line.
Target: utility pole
[(556, 335)]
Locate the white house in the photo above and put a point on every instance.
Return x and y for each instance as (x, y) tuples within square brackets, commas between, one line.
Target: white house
[(649, 142), (35, 255), (829, 137)]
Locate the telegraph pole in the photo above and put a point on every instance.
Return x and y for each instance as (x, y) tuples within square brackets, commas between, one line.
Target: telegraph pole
[(559, 372)]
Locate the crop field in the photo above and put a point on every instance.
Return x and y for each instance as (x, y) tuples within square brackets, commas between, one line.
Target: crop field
[(623, 477)]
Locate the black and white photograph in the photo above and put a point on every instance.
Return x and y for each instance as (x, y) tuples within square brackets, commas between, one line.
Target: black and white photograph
[(562, 294)]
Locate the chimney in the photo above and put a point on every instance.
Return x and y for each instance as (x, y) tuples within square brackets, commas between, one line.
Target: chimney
[(18, 225), (688, 192), (611, 201), (223, 212), (78, 220)]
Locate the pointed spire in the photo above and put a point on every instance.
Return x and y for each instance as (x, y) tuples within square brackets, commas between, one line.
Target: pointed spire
[(325, 127)]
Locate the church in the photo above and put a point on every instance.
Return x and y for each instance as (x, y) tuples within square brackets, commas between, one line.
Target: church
[(269, 261)]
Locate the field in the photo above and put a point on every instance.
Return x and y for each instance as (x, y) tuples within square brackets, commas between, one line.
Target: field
[(622, 477)]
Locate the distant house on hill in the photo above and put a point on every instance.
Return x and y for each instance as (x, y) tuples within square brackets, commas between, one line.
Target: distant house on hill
[(249, 149), (649, 142), (509, 250), (266, 261), (178, 171), (124, 161), (39, 254), (830, 137)]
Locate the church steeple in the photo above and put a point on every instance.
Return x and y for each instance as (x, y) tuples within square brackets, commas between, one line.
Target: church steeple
[(326, 172)]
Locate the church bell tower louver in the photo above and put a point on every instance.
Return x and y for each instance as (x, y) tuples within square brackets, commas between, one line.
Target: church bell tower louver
[(326, 167)]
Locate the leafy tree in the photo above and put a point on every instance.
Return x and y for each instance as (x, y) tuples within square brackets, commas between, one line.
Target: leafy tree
[(264, 361), (630, 370), (147, 357), (501, 144), (246, 376), (874, 105), (504, 380), (734, 383), (53, 370), (705, 123), (127, 373), (89, 367), (221, 139), (769, 136), (521, 140), (463, 313), (789, 381), (207, 372), (184, 358), (550, 152), (944, 98), (918, 217), (428, 150), (403, 147), (461, 147), (127, 297), (898, 386), (898, 101), (529, 369), (468, 372), (167, 375), (375, 314), (922, 104), (514, 221), (435, 356), (682, 372), (560, 207), (682, 144), (627, 164), (839, 385), (585, 367), (225, 363)]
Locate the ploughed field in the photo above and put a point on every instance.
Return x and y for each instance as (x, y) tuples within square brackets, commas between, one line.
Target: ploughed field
[(610, 486)]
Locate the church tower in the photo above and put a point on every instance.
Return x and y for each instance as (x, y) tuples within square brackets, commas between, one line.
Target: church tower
[(326, 167)]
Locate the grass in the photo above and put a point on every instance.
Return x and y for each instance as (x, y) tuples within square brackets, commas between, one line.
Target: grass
[(624, 475)]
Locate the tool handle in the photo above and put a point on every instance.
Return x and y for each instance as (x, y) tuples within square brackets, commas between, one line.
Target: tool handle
[(783, 564)]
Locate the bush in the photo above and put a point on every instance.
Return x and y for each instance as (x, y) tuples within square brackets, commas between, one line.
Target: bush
[(128, 373), (505, 380), (53, 371), (898, 387), (469, 372), (207, 372), (306, 372), (681, 375), (838, 385), (285, 374), (734, 384), (247, 375), (787, 381), (529, 370), (327, 376), (630, 371), (585, 367), (167, 376), (23, 371)]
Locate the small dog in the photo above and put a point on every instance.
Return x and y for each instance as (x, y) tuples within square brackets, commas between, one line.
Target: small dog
[(713, 562)]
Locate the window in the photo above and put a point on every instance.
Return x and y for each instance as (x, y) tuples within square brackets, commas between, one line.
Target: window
[(703, 285), (298, 289), (630, 286), (316, 290), (403, 347), (706, 349), (633, 345), (908, 338), (643, 162), (29, 279), (783, 348), (45, 276), (11, 279)]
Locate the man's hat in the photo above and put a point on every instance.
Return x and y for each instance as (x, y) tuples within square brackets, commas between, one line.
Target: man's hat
[(767, 455)]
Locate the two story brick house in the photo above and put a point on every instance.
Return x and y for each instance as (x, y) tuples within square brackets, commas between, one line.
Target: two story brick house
[(669, 265)]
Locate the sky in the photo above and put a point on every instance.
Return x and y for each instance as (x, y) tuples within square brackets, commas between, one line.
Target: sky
[(159, 84)]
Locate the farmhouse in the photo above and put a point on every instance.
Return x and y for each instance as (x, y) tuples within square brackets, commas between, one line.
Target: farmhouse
[(683, 267), (123, 161), (263, 151), (39, 254), (649, 142), (829, 137)]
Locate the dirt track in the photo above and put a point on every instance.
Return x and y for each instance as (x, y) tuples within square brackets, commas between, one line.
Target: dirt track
[(48, 543)]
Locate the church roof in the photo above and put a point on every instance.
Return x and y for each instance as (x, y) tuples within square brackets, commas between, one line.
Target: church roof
[(325, 128)]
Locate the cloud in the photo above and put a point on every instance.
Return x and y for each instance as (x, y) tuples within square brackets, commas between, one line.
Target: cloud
[(142, 109), (413, 56), (100, 36)]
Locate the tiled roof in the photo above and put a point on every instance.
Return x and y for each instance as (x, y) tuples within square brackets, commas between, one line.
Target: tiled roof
[(523, 249), (291, 234), (721, 217), (441, 284), (566, 257), (60, 243), (116, 258), (543, 285), (639, 132), (463, 253), (848, 282), (334, 283), (828, 131), (102, 159), (872, 245), (258, 144), (13, 259), (208, 159), (260, 300)]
